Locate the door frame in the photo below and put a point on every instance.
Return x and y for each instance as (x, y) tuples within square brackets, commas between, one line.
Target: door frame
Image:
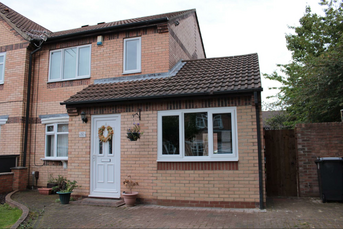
[(93, 138)]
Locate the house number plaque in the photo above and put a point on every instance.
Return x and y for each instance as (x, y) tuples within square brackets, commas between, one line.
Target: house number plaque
[(82, 134)]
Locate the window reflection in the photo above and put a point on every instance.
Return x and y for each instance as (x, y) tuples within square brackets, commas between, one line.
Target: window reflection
[(110, 146), (196, 134), (222, 133), (170, 135), (69, 63), (100, 147)]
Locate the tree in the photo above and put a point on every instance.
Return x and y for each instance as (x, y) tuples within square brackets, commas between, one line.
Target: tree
[(312, 88)]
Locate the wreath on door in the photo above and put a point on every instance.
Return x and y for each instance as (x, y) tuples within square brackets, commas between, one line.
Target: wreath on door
[(109, 133)]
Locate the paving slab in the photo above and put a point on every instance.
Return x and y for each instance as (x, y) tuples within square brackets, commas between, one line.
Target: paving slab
[(280, 213)]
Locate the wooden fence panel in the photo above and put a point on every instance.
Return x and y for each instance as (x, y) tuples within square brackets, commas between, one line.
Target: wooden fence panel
[(281, 163)]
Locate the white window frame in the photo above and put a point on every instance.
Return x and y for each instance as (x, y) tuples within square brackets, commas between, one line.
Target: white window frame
[(54, 121), (77, 64), (2, 122), (139, 56), (211, 156), (3, 70)]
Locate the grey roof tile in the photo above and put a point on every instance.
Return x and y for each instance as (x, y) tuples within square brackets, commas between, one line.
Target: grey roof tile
[(203, 76), (121, 22), (27, 28)]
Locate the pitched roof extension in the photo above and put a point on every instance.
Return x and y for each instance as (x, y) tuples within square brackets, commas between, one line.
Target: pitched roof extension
[(234, 74), (25, 27)]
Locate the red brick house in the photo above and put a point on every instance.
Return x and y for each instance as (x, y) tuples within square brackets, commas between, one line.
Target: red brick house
[(199, 116)]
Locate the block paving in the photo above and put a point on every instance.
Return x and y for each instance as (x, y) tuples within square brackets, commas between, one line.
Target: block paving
[(294, 212)]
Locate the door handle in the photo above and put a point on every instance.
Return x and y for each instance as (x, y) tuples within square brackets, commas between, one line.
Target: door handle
[(105, 160)]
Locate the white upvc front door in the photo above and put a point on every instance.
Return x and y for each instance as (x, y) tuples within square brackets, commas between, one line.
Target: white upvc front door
[(105, 158)]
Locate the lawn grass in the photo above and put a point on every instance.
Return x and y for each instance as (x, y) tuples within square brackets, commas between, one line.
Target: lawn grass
[(8, 215)]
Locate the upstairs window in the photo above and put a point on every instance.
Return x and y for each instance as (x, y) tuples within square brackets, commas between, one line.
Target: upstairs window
[(2, 67), (132, 55), (198, 135), (70, 63)]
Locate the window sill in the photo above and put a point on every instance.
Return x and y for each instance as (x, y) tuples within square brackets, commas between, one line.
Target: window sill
[(197, 160), (63, 80), (133, 72), (200, 166), (55, 159), (63, 160)]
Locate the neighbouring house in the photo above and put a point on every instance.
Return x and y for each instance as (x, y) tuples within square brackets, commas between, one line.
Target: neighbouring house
[(200, 117)]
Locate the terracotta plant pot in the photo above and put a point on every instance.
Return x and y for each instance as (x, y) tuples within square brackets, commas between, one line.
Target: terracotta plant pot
[(130, 198), (45, 191)]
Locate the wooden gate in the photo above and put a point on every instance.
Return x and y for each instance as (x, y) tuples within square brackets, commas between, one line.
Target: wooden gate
[(281, 163)]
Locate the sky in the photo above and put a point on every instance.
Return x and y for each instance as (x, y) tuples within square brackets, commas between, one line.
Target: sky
[(228, 27)]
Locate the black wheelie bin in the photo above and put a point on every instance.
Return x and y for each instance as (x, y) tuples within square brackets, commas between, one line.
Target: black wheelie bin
[(330, 178)]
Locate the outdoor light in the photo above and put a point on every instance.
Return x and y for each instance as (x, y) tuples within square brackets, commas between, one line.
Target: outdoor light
[(83, 117), (138, 114)]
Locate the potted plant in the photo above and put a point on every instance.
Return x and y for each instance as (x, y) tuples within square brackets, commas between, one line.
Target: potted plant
[(134, 133), (52, 182), (130, 197), (66, 187)]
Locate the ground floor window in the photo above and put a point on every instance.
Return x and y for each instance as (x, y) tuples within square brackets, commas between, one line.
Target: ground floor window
[(208, 134), (56, 141)]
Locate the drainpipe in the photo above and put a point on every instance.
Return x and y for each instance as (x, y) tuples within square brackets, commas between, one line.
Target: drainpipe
[(28, 98), (260, 170)]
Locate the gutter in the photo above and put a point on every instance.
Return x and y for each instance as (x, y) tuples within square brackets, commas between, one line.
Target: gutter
[(260, 172), (159, 20), (161, 97), (28, 99)]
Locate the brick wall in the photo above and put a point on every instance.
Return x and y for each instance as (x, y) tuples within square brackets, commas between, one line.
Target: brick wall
[(12, 92), (79, 154), (106, 59), (316, 140), (6, 181), (184, 39), (225, 187), (46, 169), (14, 180), (19, 178), (8, 36), (106, 62)]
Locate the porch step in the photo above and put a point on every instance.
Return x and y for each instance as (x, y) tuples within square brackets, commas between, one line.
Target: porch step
[(100, 202)]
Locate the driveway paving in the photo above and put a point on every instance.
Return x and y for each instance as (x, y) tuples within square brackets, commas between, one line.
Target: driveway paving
[(280, 213)]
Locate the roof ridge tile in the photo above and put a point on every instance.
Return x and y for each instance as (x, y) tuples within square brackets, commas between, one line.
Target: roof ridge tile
[(95, 27)]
